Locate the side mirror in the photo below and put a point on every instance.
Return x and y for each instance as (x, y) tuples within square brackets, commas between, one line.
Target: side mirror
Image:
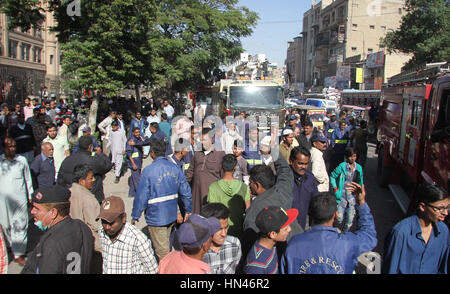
[(441, 134)]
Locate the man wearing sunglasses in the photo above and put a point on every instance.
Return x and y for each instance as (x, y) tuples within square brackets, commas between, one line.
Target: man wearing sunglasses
[(419, 244)]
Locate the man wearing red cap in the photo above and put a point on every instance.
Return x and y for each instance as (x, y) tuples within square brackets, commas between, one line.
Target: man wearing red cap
[(274, 225)]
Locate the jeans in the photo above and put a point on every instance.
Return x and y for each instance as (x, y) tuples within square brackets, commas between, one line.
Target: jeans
[(346, 207)]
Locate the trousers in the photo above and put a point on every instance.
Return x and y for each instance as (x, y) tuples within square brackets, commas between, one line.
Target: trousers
[(133, 181)]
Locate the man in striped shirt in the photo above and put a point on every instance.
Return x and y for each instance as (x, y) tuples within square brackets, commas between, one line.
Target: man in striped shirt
[(225, 252), (125, 249), (274, 225)]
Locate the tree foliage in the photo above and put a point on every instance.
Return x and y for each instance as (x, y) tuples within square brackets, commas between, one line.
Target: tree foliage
[(168, 45), (424, 32)]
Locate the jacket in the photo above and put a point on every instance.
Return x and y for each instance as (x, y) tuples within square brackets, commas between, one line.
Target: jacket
[(99, 163), (323, 250), (142, 125), (84, 206), (43, 171), (304, 188), (340, 140), (162, 182), (60, 249), (337, 179)]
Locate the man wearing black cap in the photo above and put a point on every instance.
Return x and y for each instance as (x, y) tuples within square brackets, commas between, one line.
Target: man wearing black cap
[(99, 163), (67, 245), (274, 225)]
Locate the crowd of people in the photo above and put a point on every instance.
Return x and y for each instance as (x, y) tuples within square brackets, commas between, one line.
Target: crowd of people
[(220, 196)]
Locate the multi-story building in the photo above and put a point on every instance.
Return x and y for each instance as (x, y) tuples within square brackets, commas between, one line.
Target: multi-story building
[(311, 21), (339, 35), (29, 60), (294, 61)]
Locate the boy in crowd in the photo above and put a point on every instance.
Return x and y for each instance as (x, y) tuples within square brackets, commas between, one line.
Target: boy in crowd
[(274, 225)]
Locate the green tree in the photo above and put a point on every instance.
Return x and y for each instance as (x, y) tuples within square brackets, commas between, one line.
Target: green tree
[(424, 32), (167, 45)]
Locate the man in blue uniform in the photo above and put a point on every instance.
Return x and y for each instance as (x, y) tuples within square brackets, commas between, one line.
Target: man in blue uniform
[(322, 249), (340, 139), (161, 185), (134, 154)]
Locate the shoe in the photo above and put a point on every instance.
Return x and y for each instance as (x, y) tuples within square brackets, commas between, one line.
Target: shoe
[(116, 181), (20, 260)]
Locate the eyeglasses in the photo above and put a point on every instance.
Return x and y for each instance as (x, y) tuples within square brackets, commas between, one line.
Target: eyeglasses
[(439, 209)]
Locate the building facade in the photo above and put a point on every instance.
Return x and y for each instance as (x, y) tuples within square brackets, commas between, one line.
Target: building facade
[(29, 60), (340, 35)]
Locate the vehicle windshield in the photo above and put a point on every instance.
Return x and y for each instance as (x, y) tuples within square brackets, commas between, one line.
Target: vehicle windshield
[(204, 98), (316, 103), (316, 117), (267, 97)]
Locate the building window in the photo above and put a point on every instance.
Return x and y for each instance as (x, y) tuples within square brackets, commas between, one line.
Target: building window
[(370, 50), (341, 11), (354, 49), (37, 54), (22, 51), (354, 27), (333, 16), (27, 49), (372, 27), (399, 11), (383, 28), (51, 59), (12, 48)]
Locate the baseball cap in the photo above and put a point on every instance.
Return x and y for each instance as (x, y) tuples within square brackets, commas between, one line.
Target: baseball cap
[(53, 194), (111, 208), (287, 132), (86, 129), (197, 230), (318, 137), (293, 117), (273, 218)]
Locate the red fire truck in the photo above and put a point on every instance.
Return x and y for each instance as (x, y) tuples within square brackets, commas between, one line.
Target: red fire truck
[(414, 132)]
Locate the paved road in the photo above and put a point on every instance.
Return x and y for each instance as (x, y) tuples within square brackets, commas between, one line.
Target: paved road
[(384, 208)]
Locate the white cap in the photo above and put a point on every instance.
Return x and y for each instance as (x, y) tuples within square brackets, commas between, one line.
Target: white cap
[(266, 141), (287, 132)]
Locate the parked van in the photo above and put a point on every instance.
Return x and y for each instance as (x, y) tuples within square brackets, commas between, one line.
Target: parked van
[(322, 103)]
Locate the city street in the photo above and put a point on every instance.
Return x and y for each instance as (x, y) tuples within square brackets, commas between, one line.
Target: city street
[(385, 210)]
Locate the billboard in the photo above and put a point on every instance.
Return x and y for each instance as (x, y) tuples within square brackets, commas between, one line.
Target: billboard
[(375, 60)]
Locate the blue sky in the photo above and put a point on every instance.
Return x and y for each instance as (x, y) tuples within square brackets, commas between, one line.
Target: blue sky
[(279, 22)]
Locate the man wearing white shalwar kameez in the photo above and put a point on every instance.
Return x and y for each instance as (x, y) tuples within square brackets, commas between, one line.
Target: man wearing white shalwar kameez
[(117, 143), (16, 189)]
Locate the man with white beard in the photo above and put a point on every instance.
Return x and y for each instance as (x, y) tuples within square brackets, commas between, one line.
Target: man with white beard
[(230, 135)]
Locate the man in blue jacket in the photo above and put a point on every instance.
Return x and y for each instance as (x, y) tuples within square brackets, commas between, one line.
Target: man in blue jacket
[(322, 249), (161, 184)]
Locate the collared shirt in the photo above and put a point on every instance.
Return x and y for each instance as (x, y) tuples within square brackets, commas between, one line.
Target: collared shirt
[(130, 253), (226, 260), (44, 170), (60, 146), (177, 262), (261, 260), (407, 253)]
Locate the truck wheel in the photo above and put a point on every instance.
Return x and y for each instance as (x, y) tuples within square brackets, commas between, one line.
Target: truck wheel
[(384, 172)]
